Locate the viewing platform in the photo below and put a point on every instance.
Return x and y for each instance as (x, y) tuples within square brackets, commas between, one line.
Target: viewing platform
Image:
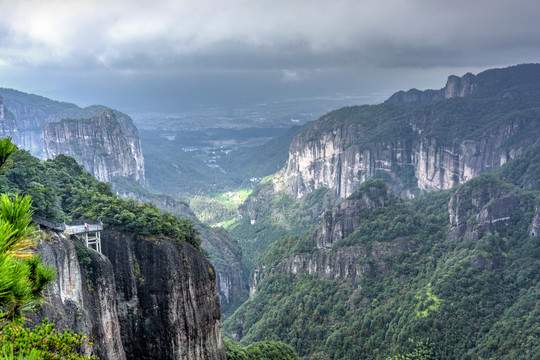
[(89, 231), (84, 228)]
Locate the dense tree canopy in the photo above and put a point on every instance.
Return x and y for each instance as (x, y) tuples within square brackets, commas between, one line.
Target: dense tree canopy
[(470, 297), (22, 281), (63, 191)]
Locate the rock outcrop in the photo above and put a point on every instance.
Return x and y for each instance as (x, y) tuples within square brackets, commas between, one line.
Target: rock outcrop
[(334, 161), (107, 145), (25, 119), (455, 87), (31, 112), (142, 299), (484, 205), (534, 228), (225, 252), (341, 221), (346, 263)]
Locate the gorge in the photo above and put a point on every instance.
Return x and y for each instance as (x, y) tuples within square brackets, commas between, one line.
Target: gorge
[(407, 227)]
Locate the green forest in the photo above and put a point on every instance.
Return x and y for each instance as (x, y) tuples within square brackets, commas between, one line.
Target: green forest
[(62, 191), (449, 274), (474, 297)]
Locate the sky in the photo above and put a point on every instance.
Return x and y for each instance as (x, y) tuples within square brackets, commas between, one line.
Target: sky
[(173, 55)]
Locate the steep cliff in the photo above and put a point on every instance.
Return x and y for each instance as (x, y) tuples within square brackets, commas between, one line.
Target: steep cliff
[(32, 112), (29, 113), (81, 298), (152, 294), (344, 263), (107, 145), (144, 298), (167, 299), (478, 124), (8, 124), (224, 251)]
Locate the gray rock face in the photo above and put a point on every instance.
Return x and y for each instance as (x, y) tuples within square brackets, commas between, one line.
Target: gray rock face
[(460, 87), (167, 299), (477, 209), (534, 228), (84, 304), (141, 299), (107, 145), (25, 117), (342, 221), (8, 125), (347, 263), (330, 157)]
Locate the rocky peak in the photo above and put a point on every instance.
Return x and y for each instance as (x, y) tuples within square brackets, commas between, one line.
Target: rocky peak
[(455, 87), (107, 145), (459, 87), (513, 83)]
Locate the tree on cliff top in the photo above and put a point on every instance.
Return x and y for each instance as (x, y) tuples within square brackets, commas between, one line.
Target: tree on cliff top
[(22, 276), (22, 281)]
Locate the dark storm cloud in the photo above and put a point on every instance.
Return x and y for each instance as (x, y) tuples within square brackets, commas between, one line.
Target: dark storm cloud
[(292, 42)]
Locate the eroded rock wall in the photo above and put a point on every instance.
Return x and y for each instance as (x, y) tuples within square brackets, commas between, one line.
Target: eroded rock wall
[(168, 299), (332, 159), (142, 299), (107, 145), (81, 299)]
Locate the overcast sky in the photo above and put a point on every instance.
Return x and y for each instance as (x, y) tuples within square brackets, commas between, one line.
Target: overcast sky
[(153, 55)]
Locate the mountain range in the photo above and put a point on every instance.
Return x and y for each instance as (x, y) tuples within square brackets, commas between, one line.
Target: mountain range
[(407, 229)]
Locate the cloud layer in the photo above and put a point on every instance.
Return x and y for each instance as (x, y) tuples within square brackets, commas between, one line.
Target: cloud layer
[(127, 34), (297, 40)]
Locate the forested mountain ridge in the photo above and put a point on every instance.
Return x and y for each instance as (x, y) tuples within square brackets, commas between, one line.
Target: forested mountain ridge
[(450, 274), (435, 145), (513, 82)]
